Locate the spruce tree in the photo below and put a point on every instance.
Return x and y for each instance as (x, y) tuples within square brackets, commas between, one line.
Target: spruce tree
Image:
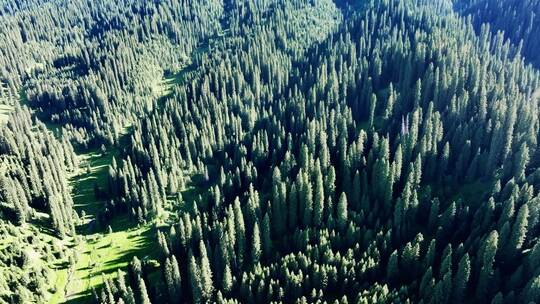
[(341, 211), (207, 284), (256, 245), (461, 279), (144, 299), (318, 199), (489, 250), (519, 231), (194, 278)]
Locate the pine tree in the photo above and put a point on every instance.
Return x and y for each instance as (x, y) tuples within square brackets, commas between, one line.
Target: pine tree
[(293, 207), (531, 293), (433, 221), (533, 259), (521, 161), (170, 280), (426, 285), (519, 231), (227, 281), (356, 191), (430, 254), (278, 212), (409, 259), (341, 212), (372, 108), (194, 278), (306, 200), (144, 299), (240, 233), (489, 251), (266, 237), (256, 245), (318, 200), (461, 279), (443, 289), (207, 284), (390, 102), (498, 299), (392, 269)]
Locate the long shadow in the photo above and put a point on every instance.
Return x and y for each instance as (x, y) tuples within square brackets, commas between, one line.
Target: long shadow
[(173, 79), (80, 297), (144, 248)]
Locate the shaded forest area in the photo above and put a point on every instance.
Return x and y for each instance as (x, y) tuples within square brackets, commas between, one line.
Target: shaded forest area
[(517, 21), (310, 151)]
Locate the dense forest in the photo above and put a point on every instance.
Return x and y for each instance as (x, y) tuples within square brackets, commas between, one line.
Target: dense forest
[(257, 151), (517, 20)]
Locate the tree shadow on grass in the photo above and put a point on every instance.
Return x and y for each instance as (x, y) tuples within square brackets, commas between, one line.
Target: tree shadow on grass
[(144, 248), (80, 298)]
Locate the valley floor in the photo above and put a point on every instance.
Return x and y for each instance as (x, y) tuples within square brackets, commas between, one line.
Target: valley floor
[(98, 254)]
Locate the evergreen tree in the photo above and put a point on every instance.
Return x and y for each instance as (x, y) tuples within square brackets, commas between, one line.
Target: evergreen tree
[(144, 299), (519, 231), (227, 281), (195, 279), (341, 211), (256, 245), (266, 237), (207, 285), (461, 279), (392, 269), (172, 278), (489, 250), (239, 232), (318, 199)]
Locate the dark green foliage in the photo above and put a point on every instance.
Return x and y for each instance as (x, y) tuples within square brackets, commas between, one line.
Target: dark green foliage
[(518, 19), (310, 151)]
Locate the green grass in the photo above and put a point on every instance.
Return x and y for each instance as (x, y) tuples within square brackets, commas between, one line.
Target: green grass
[(38, 259), (5, 111), (83, 182), (101, 255), (60, 279), (98, 255), (165, 87)]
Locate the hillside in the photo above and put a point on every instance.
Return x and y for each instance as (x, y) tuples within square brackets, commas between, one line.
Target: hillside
[(240, 151)]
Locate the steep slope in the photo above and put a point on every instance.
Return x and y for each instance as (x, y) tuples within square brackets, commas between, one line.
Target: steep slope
[(519, 20), (381, 164), (269, 151)]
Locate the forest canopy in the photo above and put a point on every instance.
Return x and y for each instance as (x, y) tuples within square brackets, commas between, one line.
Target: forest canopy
[(242, 151)]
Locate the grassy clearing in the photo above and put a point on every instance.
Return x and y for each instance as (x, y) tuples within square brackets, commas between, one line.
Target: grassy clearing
[(5, 111), (165, 87), (60, 280), (45, 252), (92, 172), (101, 255)]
